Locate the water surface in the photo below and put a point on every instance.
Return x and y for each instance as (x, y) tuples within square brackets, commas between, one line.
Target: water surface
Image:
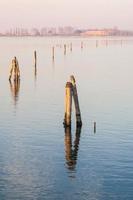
[(38, 158)]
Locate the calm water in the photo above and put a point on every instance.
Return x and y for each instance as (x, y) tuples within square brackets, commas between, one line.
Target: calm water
[(38, 158)]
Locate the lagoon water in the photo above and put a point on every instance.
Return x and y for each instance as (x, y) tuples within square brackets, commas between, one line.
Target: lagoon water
[(38, 158)]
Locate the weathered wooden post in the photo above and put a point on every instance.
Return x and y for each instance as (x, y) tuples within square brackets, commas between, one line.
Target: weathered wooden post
[(106, 43), (71, 47), (95, 127), (76, 102), (81, 45), (53, 53), (68, 105), (14, 69), (35, 59), (121, 42), (96, 43), (64, 49)]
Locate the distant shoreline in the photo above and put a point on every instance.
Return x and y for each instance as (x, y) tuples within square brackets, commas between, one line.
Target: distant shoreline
[(81, 36)]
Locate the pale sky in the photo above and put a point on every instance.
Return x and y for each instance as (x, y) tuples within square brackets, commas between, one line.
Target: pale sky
[(77, 13)]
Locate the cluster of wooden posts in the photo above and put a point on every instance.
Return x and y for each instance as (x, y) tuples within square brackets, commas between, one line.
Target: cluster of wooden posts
[(71, 92), (65, 49)]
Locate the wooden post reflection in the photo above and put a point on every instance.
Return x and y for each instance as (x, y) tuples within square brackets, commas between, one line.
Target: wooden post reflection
[(15, 87), (35, 74), (72, 150)]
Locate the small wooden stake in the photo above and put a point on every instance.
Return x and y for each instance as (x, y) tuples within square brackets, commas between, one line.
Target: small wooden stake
[(96, 43), (64, 49), (53, 52), (71, 47), (95, 128), (68, 105), (76, 102), (35, 59), (81, 45)]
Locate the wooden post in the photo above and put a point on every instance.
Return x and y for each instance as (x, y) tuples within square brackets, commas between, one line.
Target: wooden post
[(121, 42), (64, 49), (76, 102), (81, 45), (94, 127), (68, 105), (14, 69), (71, 48), (106, 43), (35, 59), (53, 52), (96, 43)]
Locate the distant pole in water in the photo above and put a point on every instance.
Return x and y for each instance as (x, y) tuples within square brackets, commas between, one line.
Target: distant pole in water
[(96, 43), (82, 45), (106, 43), (64, 49), (68, 105), (14, 69), (121, 42), (53, 53), (95, 127), (71, 47), (76, 102), (35, 59)]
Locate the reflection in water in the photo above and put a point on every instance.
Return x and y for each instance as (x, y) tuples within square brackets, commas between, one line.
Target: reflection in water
[(15, 87), (35, 73), (72, 150)]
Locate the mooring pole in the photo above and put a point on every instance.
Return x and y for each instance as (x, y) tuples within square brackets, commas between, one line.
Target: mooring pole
[(35, 59), (53, 53), (76, 102), (68, 105), (95, 128), (71, 47), (64, 49), (81, 45)]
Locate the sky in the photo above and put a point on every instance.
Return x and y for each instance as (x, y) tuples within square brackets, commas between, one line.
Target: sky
[(76, 13)]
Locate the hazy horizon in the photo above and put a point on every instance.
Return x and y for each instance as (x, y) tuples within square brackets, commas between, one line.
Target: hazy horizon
[(81, 13)]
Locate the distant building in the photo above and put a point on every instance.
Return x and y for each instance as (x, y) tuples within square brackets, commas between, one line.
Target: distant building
[(95, 33)]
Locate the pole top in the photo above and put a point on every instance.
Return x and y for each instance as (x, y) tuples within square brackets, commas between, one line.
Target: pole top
[(68, 85)]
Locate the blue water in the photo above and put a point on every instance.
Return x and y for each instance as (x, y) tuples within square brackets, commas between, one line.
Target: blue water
[(38, 158)]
